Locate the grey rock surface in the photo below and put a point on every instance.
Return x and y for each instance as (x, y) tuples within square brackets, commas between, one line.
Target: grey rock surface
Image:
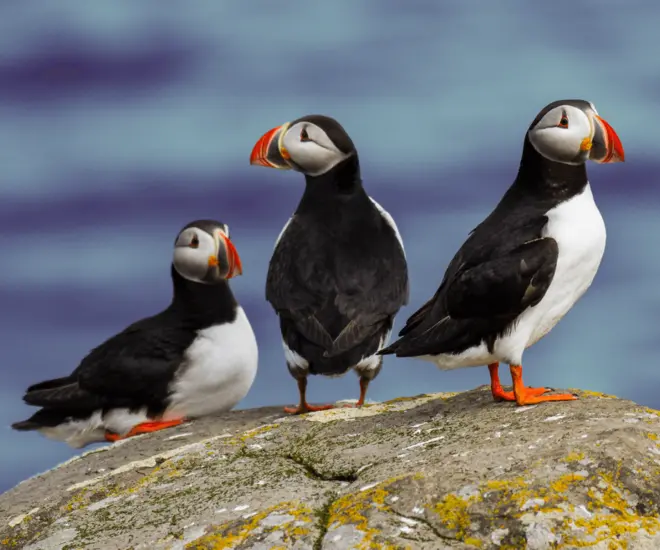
[(429, 472)]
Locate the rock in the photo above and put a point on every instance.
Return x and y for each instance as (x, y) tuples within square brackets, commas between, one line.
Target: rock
[(427, 472)]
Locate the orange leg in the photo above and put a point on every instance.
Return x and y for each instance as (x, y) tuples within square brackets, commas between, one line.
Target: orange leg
[(496, 387), (531, 396), (305, 407), (498, 392), (364, 384), (144, 428)]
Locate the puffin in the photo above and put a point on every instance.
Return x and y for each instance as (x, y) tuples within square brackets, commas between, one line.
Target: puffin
[(198, 356), (525, 266), (338, 273)]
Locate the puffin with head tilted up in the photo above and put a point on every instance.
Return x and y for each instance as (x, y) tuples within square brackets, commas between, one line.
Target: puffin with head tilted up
[(523, 268), (197, 357), (338, 274)]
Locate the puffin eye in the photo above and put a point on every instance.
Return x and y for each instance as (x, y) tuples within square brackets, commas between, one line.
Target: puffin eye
[(304, 136), (194, 242), (563, 123)]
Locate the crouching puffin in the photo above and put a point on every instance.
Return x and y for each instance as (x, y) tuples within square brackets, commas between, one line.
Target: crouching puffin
[(197, 357), (338, 274), (523, 268)]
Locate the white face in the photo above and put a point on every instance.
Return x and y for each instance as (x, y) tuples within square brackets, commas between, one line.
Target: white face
[(564, 134), (311, 149), (194, 250)]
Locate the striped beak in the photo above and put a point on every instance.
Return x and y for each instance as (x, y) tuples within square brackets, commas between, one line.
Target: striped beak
[(606, 146), (269, 151), (227, 262)]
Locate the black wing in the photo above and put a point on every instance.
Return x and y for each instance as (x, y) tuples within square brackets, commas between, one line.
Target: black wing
[(478, 301), (130, 369), (336, 295)]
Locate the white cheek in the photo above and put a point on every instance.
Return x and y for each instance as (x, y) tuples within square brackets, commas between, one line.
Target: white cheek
[(192, 263), (312, 158), (558, 144)]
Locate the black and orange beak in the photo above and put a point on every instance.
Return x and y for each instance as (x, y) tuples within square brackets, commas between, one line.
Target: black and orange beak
[(269, 151), (227, 260), (605, 146)]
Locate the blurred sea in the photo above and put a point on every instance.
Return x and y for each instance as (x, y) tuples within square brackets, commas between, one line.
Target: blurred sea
[(122, 121)]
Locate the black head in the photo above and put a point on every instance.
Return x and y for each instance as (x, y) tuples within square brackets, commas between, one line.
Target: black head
[(313, 145), (203, 253), (570, 132)]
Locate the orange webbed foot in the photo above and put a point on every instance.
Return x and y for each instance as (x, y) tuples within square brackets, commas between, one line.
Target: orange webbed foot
[(143, 428), (500, 395), (529, 397), (532, 396)]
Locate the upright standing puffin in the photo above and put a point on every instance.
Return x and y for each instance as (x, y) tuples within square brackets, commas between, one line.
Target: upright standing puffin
[(197, 357), (523, 268), (338, 274)]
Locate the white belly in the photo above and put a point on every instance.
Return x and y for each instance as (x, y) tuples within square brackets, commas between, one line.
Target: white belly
[(81, 432), (579, 230), (220, 367)]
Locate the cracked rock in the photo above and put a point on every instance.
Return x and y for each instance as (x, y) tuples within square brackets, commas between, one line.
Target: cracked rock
[(452, 471)]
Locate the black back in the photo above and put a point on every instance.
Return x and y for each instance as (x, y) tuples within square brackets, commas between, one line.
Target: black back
[(504, 267), (338, 275), (134, 368)]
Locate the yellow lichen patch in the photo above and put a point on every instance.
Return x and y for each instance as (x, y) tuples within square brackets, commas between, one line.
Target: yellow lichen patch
[(564, 483), (651, 411), (613, 518), (231, 534), (574, 457), (511, 498), (166, 471), (351, 509), (589, 393), (514, 491), (453, 512), (77, 501), (240, 439)]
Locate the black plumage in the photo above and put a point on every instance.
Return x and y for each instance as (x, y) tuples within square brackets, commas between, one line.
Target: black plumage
[(338, 274), (504, 267), (134, 368)]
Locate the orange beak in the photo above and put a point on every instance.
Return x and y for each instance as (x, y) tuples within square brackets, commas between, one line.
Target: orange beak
[(234, 260), (607, 147), (269, 150)]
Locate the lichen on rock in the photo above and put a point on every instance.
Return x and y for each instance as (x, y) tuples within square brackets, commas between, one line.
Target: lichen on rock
[(427, 472)]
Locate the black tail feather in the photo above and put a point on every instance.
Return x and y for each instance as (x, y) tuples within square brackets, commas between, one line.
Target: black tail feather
[(389, 349), (49, 384), (44, 418), (26, 426)]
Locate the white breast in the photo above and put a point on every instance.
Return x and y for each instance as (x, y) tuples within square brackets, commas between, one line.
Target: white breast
[(218, 371), (579, 230)]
